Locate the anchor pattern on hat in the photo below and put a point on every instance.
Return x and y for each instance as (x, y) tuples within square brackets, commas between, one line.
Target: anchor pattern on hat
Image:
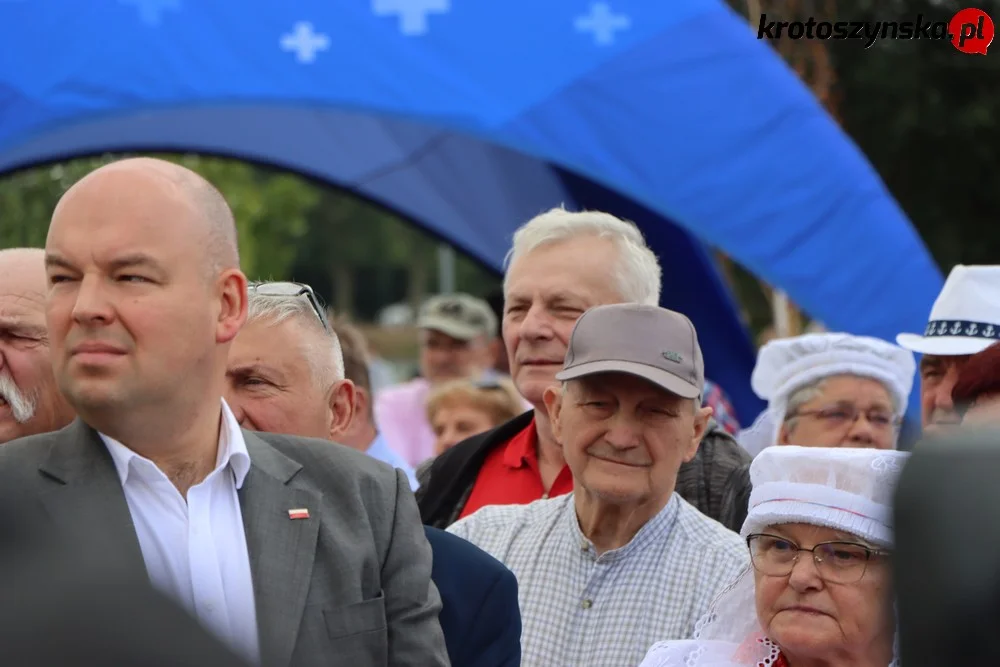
[(964, 328)]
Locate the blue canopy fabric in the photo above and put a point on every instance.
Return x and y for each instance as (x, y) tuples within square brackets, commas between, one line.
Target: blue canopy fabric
[(470, 117)]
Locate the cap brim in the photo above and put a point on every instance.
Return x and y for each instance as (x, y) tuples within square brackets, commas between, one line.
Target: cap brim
[(448, 327), (943, 346), (661, 378)]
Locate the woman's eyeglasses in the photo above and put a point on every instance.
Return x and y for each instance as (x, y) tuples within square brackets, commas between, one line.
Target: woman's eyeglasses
[(836, 562), (292, 290), (841, 416)]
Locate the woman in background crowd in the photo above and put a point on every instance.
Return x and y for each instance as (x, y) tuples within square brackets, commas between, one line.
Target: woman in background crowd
[(830, 390), (819, 588), (462, 408)]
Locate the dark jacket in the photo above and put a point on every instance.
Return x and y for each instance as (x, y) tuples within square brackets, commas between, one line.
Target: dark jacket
[(716, 480), (480, 616)]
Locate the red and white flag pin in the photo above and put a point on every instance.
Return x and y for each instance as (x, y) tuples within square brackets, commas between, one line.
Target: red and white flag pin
[(301, 513)]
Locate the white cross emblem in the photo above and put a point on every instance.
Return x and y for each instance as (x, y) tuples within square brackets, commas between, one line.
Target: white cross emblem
[(602, 23), (304, 42), (412, 13), (150, 10)]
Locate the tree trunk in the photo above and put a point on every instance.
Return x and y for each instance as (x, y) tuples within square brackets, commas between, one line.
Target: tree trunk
[(343, 289), (419, 276)]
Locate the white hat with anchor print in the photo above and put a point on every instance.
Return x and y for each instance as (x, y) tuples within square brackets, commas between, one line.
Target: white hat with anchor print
[(965, 318)]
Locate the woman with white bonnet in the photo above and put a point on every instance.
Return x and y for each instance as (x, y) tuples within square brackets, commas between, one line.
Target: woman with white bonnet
[(818, 591), (830, 390)]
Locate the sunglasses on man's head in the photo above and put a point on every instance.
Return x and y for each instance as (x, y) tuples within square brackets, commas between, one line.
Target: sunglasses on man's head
[(292, 290)]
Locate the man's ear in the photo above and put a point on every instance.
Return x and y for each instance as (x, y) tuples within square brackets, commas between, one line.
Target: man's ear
[(553, 399), (701, 417), (362, 405), (343, 402), (231, 292)]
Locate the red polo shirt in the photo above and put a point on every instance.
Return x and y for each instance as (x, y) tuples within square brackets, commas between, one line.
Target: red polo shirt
[(510, 475)]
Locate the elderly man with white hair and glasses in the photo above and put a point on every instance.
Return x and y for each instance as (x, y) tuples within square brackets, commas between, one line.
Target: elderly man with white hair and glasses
[(964, 320), (623, 560), (830, 390), (561, 264)]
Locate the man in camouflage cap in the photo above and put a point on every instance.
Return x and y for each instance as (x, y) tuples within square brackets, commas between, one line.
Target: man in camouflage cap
[(455, 335)]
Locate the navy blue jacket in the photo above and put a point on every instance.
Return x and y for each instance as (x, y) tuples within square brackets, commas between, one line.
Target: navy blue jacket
[(480, 616)]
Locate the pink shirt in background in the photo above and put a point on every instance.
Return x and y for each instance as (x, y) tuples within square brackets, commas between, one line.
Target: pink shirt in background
[(401, 418)]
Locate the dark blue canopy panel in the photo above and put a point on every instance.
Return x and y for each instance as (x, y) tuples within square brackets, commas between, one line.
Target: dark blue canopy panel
[(470, 117)]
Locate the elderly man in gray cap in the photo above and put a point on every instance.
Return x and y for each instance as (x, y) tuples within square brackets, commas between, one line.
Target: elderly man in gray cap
[(623, 561)]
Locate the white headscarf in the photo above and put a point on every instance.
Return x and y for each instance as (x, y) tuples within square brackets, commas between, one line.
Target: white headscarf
[(787, 364), (845, 489)]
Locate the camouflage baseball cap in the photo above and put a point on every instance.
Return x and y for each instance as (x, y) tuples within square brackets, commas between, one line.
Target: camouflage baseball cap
[(460, 316)]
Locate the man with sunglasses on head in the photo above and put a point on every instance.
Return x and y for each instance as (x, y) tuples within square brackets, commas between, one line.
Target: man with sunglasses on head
[(290, 371), (295, 552), (456, 331)]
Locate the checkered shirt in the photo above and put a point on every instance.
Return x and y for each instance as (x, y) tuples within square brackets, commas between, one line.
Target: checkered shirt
[(580, 609)]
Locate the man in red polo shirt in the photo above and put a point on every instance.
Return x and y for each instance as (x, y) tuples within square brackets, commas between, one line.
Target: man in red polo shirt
[(560, 265)]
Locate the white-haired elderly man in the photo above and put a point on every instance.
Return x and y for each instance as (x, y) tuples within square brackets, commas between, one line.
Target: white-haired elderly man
[(606, 570), (272, 390), (830, 390), (561, 264)]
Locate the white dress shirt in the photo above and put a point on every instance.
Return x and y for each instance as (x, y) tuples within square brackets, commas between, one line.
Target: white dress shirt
[(196, 551)]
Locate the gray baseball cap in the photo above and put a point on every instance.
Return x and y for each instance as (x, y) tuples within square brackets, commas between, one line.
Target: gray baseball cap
[(460, 316), (650, 342)]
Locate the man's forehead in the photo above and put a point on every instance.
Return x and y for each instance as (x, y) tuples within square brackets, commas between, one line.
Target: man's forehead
[(19, 305), (22, 271), (140, 201), (942, 361), (607, 383), (549, 293)]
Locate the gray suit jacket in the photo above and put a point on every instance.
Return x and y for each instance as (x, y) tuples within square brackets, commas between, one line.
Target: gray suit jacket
[(349, 586)]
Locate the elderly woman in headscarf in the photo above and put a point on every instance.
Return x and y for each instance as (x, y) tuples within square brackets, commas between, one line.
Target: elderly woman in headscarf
[(818, 591), (830, 390)]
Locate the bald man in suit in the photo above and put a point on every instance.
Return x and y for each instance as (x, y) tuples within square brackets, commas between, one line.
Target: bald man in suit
[(294, 553)]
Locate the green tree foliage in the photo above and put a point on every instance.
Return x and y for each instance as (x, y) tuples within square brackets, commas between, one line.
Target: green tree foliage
[(928, 118), (271, 208), (28, 197)]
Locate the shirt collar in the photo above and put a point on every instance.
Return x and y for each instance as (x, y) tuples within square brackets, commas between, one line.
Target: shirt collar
[(232, 450), (522, 448), (377, 446), (657, 528)]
